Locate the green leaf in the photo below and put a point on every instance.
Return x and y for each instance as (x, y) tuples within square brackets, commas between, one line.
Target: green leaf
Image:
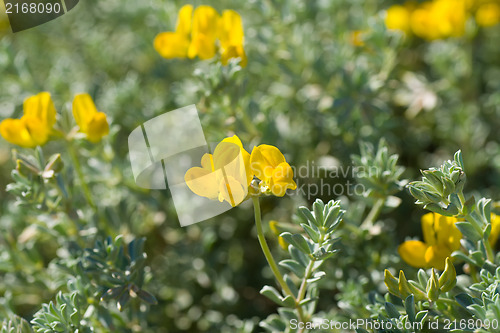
[(391, 310), (314, 235), (306, 213), (410, 307), (294, 266), (272, 294), (298, 241), (467, 229), (318, 207)]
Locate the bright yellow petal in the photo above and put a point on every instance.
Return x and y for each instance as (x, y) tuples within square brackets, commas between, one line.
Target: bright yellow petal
[(183, 26), (41, 106), (428, 222), (202, 182), (171, 45), (282, 180), (495, 229), (230, 162), (398, 18), (84, 110), (435, 256), (38, 130), (245, 155), (207, 162), (232, 190), (231, 29), (97, 127), (263, 160), (204, 33), (447, 234), (15, 132), (234, 51), (413, 253)]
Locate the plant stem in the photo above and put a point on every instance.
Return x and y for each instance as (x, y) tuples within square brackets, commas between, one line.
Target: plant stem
[(81, 177), (373, 214), (265, 247)]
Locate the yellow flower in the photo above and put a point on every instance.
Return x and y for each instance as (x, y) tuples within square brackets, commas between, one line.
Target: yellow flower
[(90, 121), (269, 165), (232, 37), (223, 176), (175, 44), (204, 34), (35, 126), (441, 238), (197, 33), (495, 229), (439, 19), (398, 18), (488, 14)]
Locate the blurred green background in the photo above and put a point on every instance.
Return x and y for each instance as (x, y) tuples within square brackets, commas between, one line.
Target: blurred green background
[(321, 77)]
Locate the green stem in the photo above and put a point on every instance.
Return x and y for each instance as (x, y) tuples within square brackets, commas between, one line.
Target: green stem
[(265, 248), (373, 214), (81, 177)]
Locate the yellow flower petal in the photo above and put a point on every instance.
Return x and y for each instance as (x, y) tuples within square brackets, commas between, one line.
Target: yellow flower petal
[(15, 132), (41, 107), (171, 45), (398, 18), (245, 155), (435, 256), (231, 29), (84, 110), (495, 229), (488, 14), (263, 160), (202, 182), (38, 130), (413, 253), (428, 222), (97, 127), (232, 190), (204, 33), (183, 26), (282, 179), (90, 121), (207, 162), (234, 51)]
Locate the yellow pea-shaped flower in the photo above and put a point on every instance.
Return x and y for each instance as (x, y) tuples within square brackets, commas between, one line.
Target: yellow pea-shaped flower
[(35, 126), (91, 122)]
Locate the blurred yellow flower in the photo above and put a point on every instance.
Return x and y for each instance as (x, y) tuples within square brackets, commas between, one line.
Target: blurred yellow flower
[(269, 165), (204, 34), (439, 19), (356, 38), (35, 126), (197, 33), (398, 18), (223, 176), (232, 37), (441, 238), (91, 122), (435, 19), (488, 14), (175, 44), (495, 229)]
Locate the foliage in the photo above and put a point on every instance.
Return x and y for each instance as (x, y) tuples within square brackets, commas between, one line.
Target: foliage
[(354, 106)]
